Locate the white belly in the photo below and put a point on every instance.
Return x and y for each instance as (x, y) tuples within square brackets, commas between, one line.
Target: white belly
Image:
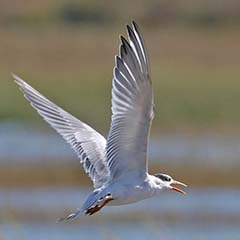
[(126, 194)]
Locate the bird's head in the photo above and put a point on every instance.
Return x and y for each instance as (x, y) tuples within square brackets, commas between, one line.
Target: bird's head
[(168, 182)]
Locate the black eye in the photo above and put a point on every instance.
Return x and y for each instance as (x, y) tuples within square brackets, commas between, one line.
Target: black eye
[(167, 179), (163, 177)]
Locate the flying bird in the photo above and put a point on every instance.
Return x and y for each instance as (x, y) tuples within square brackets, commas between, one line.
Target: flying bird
[(118, 165)]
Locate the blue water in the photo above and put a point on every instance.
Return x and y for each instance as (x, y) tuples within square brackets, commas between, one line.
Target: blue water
[(212, 213), (118, 231), (28, 144)]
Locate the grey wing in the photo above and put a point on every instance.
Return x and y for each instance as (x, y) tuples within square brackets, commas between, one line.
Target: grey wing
[(132, 108), (88, 144)]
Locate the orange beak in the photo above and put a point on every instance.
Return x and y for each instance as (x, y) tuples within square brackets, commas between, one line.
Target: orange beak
[(177, 189)]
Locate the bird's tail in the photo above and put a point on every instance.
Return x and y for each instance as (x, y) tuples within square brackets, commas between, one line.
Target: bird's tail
[(92, 198), (92, 205)]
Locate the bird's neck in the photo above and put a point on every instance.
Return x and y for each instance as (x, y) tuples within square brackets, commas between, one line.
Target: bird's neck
[(155, 184)]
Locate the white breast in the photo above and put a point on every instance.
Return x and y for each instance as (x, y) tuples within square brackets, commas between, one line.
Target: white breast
[(125, 193)]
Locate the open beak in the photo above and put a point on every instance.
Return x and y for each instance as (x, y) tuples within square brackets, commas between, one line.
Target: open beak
[(174, 182)]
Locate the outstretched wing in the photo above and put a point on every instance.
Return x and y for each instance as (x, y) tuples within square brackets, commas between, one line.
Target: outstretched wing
[(88, 144), (132, 108)]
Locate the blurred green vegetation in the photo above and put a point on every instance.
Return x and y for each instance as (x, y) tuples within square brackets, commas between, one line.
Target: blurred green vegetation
[(66, 50), (177, 12)]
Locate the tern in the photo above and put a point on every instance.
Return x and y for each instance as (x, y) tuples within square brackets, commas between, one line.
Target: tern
[(118, 165)]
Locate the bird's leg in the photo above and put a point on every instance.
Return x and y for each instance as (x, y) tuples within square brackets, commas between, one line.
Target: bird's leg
[(99, 204)]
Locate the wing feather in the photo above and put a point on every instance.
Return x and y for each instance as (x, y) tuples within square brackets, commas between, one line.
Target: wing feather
[(132, 108), (88, 144)]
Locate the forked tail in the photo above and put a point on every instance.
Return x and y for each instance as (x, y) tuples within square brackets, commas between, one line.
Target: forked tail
[(91, 206)]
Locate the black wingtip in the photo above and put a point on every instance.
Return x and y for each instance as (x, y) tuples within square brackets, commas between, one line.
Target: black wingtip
[(130, 32), (122, 50), (122, 38), (128, 28), (118, 61), (134, 23), (135, 27), (124, 43), (117, 58)]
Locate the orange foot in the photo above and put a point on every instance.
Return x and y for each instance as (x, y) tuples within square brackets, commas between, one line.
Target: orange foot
[(100, 204)]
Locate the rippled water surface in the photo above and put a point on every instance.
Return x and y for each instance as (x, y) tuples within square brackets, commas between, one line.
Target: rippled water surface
[(212, 213)]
